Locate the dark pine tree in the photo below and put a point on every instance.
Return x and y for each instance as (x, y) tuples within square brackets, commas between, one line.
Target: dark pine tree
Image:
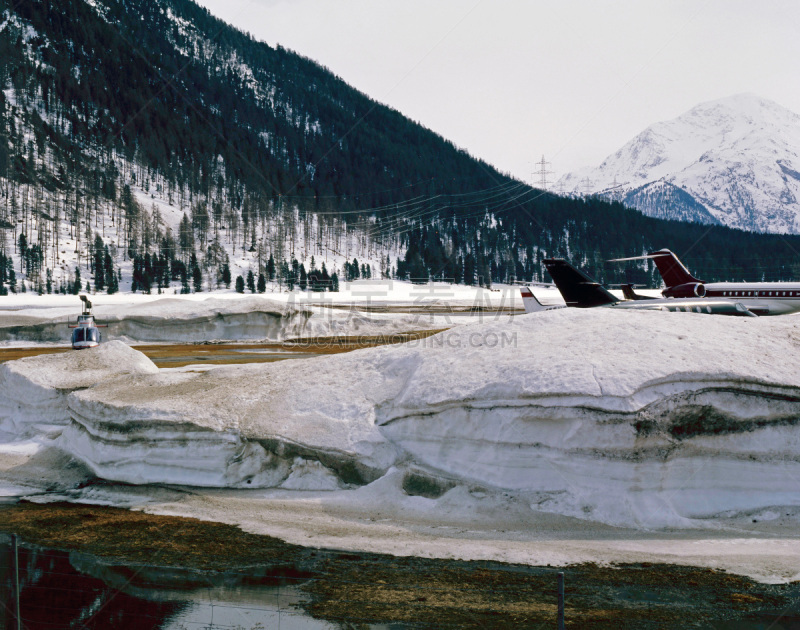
[(98, 266), (197, 279), (76, 286), (302, 278)]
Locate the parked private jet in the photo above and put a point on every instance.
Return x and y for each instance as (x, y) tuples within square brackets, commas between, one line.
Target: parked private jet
[(581, 291), (760, 298)]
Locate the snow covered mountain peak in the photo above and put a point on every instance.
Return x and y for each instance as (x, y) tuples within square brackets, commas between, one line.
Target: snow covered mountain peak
[(734, 161)]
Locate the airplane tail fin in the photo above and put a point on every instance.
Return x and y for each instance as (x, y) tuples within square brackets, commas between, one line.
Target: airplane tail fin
[(672, 270), (576, 287), (630, 294), (530, 302)]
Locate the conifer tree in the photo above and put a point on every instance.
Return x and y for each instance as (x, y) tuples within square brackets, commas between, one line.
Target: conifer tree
[(302, 278), (147, 275), (12, 276), (76, 285), (185, 236), (324, 279), (185, 280), (197, 279), (99, 264), (136, 276), (23, 248), (108, 271)]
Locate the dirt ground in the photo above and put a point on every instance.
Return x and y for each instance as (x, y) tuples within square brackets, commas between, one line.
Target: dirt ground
[(182, 354), (355, 589)]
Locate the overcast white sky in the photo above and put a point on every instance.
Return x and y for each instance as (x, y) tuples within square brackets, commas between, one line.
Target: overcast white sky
[(510, 80)]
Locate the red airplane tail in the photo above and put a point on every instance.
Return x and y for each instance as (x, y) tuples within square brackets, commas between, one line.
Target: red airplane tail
[(672, 270)]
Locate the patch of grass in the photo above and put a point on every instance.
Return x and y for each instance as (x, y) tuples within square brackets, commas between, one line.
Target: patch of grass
[(139, 538)]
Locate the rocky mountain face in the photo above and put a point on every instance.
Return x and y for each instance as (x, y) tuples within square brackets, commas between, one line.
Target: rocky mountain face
[(734, 161)]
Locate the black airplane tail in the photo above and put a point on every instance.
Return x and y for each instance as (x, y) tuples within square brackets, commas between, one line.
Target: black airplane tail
[(630, 294), (577, 289), (672, 270)]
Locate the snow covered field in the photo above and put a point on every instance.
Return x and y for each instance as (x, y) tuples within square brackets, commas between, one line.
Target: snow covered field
[(558, 437)]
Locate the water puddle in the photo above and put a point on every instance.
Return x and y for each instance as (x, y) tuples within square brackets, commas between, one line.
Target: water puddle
[(76, 590), (60, 590)]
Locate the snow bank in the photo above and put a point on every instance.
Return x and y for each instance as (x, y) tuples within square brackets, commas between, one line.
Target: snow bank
[(166, 319), (33, 391), (183, 320), (228, 427), (642, 419)]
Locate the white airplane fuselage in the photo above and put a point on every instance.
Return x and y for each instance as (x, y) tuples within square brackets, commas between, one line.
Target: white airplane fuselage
[(763, 298)]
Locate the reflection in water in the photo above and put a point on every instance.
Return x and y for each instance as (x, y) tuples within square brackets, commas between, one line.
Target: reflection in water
[(54, 595), (74, 590)]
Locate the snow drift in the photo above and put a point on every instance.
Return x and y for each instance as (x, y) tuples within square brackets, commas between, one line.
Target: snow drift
[(166, 319), (182, 320), (644, 419), (33, 391)]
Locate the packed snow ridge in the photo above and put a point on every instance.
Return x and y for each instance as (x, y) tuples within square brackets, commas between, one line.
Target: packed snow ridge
[(34, 390), (734, 161), (638, 419), (213, 318)]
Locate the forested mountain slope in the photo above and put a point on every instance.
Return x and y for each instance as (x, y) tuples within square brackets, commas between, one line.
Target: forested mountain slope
[(149, 144)]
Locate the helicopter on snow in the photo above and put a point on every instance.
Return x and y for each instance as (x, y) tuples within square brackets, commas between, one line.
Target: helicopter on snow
[(86, 333)]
